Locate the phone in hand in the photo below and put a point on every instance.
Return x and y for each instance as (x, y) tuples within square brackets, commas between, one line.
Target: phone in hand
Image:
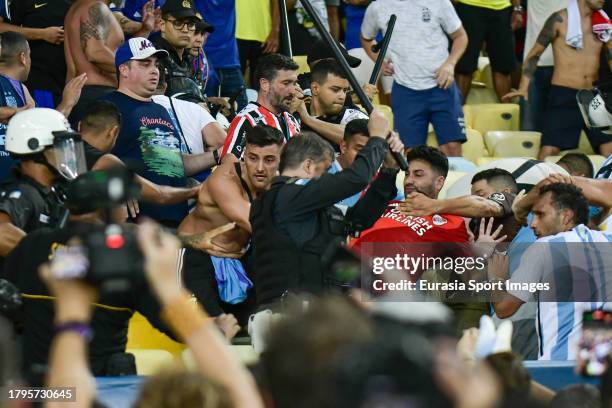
[(595, 347), (70, 262)]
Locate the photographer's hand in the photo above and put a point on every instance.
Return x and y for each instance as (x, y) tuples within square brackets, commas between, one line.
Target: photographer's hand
[(190, 322), (68, 366)]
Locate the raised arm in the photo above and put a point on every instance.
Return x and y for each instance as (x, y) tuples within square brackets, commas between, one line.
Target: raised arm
[(163, 195), (190, 322), (472, 206), (549, 32)]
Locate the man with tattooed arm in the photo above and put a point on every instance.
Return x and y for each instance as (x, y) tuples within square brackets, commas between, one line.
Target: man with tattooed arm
[(92, 38), (577, 35)]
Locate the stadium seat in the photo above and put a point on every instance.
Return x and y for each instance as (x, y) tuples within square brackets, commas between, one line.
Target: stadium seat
[(245, 354), (494, 116), (596, 159), (387, 112), (141, 335), (301, 61), (149, 361), (481, 95), (472, 149), (452, 177), (486, 160), (510, 143)]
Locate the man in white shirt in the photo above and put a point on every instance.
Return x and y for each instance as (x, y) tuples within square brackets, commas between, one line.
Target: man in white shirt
[(200, 132), (532, 110), (424, 89), (568, 257)]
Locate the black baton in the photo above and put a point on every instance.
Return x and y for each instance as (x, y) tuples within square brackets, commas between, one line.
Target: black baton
[(365, 102)]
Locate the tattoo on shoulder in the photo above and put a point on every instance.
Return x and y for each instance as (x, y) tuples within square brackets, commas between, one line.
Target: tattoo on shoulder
[(548, 31), (95, 27)]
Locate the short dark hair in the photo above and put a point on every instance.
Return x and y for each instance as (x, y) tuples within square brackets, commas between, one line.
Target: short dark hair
[(264, 135), (578, 163), (11, 45), (499, 178), (568, 197), (577, 395), (306, 145), (356, 127), (269, 65), (100, 116), (323, 68), (436, 159), (514, 377)]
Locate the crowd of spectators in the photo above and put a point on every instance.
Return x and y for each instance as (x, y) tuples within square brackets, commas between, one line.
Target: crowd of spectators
[(169, 157)]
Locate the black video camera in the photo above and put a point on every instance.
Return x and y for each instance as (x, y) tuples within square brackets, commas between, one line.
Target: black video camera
[(109, 256)]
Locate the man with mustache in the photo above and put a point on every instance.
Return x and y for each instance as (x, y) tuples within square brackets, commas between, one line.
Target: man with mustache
[(276, 76), (225, 197)]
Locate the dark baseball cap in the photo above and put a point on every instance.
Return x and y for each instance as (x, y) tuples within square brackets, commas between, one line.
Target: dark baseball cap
[(321, 50), (203, 25), (180, 9)]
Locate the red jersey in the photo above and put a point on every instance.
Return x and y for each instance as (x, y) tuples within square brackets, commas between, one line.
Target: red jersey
[(392, 226), (252, 115)]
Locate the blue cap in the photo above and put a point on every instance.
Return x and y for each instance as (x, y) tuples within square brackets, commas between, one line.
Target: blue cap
[(137, 48)]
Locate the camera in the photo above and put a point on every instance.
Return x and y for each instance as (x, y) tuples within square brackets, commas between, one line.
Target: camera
[(108, 255)]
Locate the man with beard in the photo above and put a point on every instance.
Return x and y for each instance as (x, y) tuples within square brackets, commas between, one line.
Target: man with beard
[(276, 76), (224, 203), (327, 114), (566, 252), (577, 35)]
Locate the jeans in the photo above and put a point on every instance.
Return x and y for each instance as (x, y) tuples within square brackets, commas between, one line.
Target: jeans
[(534, 109), (231, 80)]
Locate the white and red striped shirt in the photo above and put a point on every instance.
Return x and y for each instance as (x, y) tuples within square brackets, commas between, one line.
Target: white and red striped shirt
[(252, 115)]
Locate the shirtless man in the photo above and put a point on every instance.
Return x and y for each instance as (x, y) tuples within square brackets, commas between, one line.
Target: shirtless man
[(225, 197), (92, 38), (576, 67)]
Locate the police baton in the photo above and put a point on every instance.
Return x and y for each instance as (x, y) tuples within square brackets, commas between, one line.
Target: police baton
[(286, 36), (365, 102), (381, 48)]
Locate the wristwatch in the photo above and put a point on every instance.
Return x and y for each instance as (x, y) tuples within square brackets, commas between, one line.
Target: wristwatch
[(518, 8)]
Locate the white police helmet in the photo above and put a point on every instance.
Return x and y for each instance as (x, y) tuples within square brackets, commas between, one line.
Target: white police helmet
[(33, 130), (592, 103)]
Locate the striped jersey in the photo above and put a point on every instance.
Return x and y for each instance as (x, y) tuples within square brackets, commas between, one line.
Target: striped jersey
[(605, 172), (559, 324), (252, 115)]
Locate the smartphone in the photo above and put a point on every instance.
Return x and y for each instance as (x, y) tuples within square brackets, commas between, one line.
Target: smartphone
[(70, 262), (595, 347)]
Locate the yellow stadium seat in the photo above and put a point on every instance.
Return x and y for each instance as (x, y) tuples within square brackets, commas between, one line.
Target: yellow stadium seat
[(596, 159), (301, 61), (386, 110), (509, 143), (486, 160), (246, 354), (481, 95), (149, 361), (495, 116), (472, 149), (452, 177), (141, 335)]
